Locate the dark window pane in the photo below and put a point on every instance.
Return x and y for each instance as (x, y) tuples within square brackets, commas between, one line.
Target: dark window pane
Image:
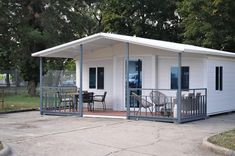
[(184, 77), (216, 78), (92, 77), (174, 78), (221, 78), (100, 78)]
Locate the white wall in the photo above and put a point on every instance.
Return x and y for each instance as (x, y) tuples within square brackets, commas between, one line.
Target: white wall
[(108, 79), (112, 59), (196, 71), (221, 101)]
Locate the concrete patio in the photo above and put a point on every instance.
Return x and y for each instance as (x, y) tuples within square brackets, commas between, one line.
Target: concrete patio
[(29, 133)]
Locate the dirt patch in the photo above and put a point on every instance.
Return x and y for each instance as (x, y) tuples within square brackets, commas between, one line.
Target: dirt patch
[(225, 139), (25, 126)]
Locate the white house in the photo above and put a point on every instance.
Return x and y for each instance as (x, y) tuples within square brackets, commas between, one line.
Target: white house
[(153, 64)]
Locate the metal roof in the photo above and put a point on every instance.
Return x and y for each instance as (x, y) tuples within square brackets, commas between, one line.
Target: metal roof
[(103, 40)]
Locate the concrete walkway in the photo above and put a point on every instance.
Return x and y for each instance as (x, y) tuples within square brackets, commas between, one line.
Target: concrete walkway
[(30, 134)]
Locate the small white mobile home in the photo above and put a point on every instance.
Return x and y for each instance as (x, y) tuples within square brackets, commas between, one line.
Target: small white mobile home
[(101, 65)]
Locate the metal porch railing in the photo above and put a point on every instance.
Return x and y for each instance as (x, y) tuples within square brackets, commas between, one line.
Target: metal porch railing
[(60, 101), (161, 104)]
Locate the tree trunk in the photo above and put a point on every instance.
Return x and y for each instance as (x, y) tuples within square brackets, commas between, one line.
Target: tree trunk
[(8, 79), (32, 88)]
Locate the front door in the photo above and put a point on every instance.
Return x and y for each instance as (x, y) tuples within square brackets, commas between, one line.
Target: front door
[(135, 79)]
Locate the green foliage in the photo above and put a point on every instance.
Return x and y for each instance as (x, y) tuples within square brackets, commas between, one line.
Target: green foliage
[(7, 43), (70, 65), (34, 25), (151, 19), (208, 23), (1, 146), (225, 139)]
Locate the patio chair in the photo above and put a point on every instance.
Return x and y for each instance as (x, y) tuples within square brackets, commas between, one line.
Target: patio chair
[(191, 103), (159, 100), (65, 101), (143, 103), (101, 99), (88, 98)]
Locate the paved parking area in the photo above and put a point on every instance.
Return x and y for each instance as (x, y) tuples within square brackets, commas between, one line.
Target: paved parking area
[(30, 134)]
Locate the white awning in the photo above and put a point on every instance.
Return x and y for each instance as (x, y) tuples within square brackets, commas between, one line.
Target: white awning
[(103, 40)]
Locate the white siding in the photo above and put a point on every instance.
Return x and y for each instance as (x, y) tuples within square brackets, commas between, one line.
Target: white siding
[(158, 64), (112, 59), (196, 71), (221, 101), (108, 80)]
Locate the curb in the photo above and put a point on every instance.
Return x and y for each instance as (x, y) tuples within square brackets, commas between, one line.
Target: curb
[(217, 149), (6, 151)]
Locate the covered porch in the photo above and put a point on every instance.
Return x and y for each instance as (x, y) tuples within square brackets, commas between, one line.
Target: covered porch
[(153, 97)]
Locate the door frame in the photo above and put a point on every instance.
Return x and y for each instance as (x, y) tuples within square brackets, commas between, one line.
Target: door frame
[(132, 58)]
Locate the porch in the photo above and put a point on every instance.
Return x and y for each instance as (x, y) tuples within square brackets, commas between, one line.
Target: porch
[(146, 104)]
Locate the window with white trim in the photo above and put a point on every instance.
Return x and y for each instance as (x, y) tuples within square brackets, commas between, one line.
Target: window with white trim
[(184, 77), (96, 78)]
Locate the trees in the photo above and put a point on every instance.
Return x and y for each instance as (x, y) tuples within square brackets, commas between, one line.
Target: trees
[(27, 26), (7, 43), (208, 23), (33, 25), (151, 19)]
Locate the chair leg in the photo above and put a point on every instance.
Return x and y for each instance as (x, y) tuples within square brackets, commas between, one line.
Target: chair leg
[(151, 112), (88, 107), (139, 111), (93, 106), (104, 105)]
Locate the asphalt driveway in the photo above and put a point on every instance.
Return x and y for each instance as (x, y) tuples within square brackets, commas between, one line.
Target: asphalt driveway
[(30, 134)]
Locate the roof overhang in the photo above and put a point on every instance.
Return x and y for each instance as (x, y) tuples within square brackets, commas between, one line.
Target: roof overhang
[(103, 40)]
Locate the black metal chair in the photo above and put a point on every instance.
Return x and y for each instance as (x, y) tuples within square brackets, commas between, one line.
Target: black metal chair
[(101, 99), (88, 98)]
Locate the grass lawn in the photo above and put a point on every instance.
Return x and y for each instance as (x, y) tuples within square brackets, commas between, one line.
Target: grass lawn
[(19, 102), (1, 146), (225, 139)]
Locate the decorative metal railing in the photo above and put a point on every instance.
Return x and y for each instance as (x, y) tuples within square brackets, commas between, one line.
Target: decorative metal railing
[(60, 100), (193, 104), (161, 104)]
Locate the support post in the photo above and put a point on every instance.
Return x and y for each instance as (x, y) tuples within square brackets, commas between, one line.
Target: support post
[(127, 80), (41, 86), (179, 88), (80, 89)]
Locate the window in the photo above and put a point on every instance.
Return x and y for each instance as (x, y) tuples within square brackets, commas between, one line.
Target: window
[(92, 78), (219, 78), (96, 79), (184, 77), (100, 78)]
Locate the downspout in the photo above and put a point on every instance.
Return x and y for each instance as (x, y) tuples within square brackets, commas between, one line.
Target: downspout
[(127, 80), (179, 88), (80, 89)]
